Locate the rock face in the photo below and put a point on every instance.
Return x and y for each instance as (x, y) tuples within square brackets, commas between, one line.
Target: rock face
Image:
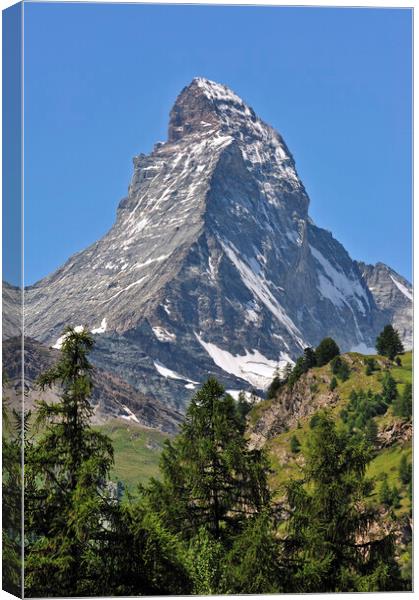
[(393, 295), (11, 311), (213, 264), (112, 397)]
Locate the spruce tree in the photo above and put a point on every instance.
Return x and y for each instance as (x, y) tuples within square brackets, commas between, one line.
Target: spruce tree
[(389, 388), (210, 478), (385, 495), (333, 384), (405, 470), (330, 516), (402, 406), (309, 359), (326, 350), (65, 477), (388, 343), (295, 444), (12, 481), (255, 564)]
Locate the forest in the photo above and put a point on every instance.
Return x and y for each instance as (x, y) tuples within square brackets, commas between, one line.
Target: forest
[(212, 522)]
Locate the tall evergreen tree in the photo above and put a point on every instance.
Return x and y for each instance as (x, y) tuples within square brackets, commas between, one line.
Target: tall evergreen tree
[(388, 343), (402, 406), (12, 481), (389, 388), (326, 350), (210, 478), (67, 469), (255, 564), (405, 470), (330, 517), (309, 359)]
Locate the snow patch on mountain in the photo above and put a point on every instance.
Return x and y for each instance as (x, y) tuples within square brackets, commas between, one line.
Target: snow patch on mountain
[(259, 286), (58, 344), (249, 396), (102, 328), (163, 335), (402, 288), (253, 366), (338, 287), (168, 373), (129, 416)]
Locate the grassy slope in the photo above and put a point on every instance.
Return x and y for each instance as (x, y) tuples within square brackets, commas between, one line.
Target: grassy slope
[(137, 451), (285, 465)]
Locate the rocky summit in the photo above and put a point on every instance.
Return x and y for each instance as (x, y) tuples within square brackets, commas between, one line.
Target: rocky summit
[(213, 264)]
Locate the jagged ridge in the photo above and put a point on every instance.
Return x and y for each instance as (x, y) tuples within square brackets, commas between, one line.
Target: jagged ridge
[(213, 264)]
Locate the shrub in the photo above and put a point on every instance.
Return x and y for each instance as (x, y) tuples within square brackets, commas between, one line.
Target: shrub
[(333, 384), (295, 444), (340, 368)]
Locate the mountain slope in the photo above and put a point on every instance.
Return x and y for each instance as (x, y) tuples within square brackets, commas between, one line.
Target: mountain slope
[(213, 264), (112, 398), (393, 294)]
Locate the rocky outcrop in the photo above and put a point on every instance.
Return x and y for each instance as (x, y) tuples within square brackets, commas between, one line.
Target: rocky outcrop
[(393, 294), (396, 432), (111, 397), (213, 265), (289, 406), (12, 310)]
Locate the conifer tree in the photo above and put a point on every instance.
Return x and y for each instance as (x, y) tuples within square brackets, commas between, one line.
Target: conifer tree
[(295, 444), (209, 477), (67, 468), (326, 350), (330, 517), (12, 481), (385, 495), (389, 388), (255, 564), (405, 470), (333, 384), (309, 359), (403, 404), (388, 343)]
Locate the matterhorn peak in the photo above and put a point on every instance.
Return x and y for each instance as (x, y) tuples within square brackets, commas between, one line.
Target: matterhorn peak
[(206, 107), (213, 265)]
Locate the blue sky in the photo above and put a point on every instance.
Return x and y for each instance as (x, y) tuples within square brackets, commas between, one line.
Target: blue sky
[(100, 81)]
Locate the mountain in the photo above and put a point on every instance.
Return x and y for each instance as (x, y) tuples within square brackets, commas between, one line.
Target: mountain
[(11, 311), (213, 264), (111, 398), (393, 295)]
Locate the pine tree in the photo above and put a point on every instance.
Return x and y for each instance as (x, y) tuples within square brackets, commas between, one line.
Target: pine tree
[(309, 359), (385, 494), (329, 516), (333, 384), (255, 564), (326, 350), (402, 406), (205, 563), (371, 432), (371, 366), (340, 368), (209, 477), (244, 406), (389, 388), (405, 470), (67, 470), (295, 445), (11, 496), (388, 343)]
